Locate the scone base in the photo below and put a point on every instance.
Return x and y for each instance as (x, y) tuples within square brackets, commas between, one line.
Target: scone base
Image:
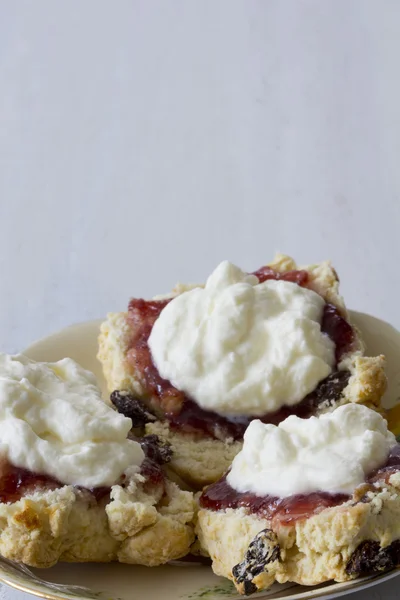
[(356, 538)]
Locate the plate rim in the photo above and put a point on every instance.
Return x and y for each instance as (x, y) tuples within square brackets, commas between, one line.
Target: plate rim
[(27, 590), (327, 593)]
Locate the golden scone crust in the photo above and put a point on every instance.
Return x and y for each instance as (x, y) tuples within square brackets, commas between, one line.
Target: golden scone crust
[(114, 341), (133, 525), (308, 552), (200, 462)]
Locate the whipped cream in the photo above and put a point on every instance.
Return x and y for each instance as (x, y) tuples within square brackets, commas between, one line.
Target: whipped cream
[(240, 347), (53, 422), (331, 453)]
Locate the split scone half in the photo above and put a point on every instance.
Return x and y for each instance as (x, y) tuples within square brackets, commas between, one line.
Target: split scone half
[(309, 501), (197, 366), (73, 486)]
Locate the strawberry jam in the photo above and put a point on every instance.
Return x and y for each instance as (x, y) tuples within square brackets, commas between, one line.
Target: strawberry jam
[(192, 418), (266, 273), (184, 414), (142, 315), (283, 511), (16, 482), (338, 329), (220, 496)]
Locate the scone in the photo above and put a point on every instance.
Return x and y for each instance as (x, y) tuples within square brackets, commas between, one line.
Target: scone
[(73, 486), (205, 361), (309, 501)]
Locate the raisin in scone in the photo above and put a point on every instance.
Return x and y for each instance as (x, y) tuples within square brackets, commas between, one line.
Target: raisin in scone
[(205, 361), (74, 484), (309, 501)]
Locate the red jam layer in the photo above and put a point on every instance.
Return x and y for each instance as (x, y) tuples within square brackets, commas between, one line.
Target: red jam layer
[(182, 412), (16, 482), (192, 418), (338, 329), (220, 496), (299, 277), (142, 315)]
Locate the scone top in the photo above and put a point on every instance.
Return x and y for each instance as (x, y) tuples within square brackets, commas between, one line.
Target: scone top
[(332, 453), (241, 347), (53, 422)]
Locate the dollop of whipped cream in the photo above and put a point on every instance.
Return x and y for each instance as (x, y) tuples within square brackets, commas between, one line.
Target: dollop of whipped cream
[(331, 453), (240, 347), (53, 422)]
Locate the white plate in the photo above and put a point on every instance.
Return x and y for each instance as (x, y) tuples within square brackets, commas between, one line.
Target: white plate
[(126, 582)]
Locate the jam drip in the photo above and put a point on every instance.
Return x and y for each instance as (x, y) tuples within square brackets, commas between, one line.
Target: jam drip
[(183, 413), (220, 496)]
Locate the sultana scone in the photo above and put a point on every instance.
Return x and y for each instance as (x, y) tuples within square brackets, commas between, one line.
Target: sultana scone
[(189, 413), (141, 522), (73, 486), (333, 514)]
